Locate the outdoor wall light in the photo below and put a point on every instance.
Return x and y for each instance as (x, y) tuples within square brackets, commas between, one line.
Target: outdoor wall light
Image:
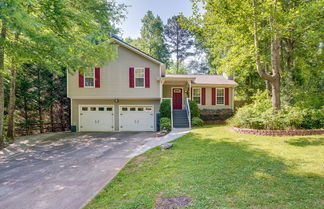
[(116, 100)]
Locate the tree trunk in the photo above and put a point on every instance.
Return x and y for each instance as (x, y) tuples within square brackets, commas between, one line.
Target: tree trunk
[(26, 115), (40, 108), (275, 61), (11, 105), (177, 71), (52, 118), (2, 53)]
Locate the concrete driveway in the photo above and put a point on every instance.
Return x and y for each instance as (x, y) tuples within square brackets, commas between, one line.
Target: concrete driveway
[(67, 172)]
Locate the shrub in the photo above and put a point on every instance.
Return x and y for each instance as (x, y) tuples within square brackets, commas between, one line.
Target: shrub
[(194, 110), (259, 115), (165, 109), (165, 124), (196, 121)]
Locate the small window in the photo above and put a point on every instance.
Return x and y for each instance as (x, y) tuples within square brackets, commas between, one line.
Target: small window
[(196, 95), (93, 108), (139, 77), (84, 108), (109, 109), (124, 108), (132, 109), (101, 109), (89, 78), (148, 109), (140, 109), (220, 96), (177, 91)]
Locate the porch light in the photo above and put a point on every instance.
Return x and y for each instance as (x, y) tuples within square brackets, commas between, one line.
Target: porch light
[(116, 100)]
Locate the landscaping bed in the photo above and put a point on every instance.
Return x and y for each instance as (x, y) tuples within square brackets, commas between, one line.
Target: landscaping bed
[(278, 132), (212, 167)]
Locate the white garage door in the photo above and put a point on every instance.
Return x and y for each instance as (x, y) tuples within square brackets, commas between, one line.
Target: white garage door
[(96, 118), (136, 118)]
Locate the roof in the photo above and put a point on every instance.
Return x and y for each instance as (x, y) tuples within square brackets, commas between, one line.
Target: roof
[(204, 79), (136, 50)]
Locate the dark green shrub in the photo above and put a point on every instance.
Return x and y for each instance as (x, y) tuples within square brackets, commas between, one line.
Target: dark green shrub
[(194, 110), (196, 121), (165, 109), (165, 124), (260, 115)]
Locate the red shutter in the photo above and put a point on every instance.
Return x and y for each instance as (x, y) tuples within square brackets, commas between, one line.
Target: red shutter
[(203, 96), (81, 80), (131, 77), (147, 77), (97, 77), (226, 96), (213, 96)]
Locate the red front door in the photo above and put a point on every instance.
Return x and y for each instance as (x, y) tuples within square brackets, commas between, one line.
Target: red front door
[(177, 98)]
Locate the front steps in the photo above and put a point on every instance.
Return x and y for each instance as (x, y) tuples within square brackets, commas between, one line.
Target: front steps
[(180, 119)]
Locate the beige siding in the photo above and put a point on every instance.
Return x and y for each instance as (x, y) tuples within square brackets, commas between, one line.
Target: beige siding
[(209, 99), (77, 102), (167, 92), (114, 79)]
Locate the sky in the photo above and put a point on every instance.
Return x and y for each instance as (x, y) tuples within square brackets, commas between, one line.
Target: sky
[(131, 26)]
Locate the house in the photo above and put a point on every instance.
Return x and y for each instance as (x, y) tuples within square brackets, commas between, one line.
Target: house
[(125, 94)]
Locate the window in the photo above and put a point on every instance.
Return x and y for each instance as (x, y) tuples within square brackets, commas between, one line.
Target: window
[(196, 95), (124, 108), (84, 108), (93, 108), (139, 78), (220, 96), (101, 109), (89, 78), (132, 109), (140, 109), (109, 109)]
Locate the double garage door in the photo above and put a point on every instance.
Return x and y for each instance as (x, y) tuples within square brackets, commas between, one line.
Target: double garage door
[(102, 118)]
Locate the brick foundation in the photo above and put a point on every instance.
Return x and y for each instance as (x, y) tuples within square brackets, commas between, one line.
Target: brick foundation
[(277, 132)]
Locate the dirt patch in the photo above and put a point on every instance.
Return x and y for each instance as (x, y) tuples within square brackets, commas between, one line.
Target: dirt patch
[(172, 202), (140, 160)]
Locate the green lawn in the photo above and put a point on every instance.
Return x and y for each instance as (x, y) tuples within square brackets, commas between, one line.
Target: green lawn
[(220, 169)]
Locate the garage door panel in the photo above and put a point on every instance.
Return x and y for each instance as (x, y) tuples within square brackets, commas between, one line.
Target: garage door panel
[(136, 118), (96, 118)]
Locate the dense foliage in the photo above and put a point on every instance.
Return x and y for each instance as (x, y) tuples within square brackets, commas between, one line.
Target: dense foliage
[(241, 35), (165, 124), (194, 110), (260, 115), (165, 109), (196, 121)]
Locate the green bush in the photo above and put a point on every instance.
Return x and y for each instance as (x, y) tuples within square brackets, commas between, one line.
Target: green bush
[(196, 121), (165, 109), (260, 115), (194, 110), (165, 124)]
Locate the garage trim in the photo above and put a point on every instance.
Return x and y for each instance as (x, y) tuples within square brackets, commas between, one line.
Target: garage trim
[(96, 105), (136, 105)]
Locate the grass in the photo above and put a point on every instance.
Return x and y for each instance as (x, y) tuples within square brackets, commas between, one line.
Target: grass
[(220, 169)]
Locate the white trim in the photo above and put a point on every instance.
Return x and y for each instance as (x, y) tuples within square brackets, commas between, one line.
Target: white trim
[(136, 105), (71, 112), (182, 95), (94, 79), (113, 98), (193, 88), (223, 96), (95, 105), (139, 68)]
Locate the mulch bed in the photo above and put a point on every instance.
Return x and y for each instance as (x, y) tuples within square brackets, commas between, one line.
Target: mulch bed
[(300, 132)]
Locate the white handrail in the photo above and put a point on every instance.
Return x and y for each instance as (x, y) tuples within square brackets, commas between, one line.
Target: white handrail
[(188, 112)]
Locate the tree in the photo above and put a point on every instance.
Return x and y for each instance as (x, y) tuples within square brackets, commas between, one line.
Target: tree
[(268, 34), (179, 39), (74, 34)]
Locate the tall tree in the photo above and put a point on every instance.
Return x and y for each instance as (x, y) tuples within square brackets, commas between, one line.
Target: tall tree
[(152, 39), (179, 39), (70, 33), (278, 36)]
